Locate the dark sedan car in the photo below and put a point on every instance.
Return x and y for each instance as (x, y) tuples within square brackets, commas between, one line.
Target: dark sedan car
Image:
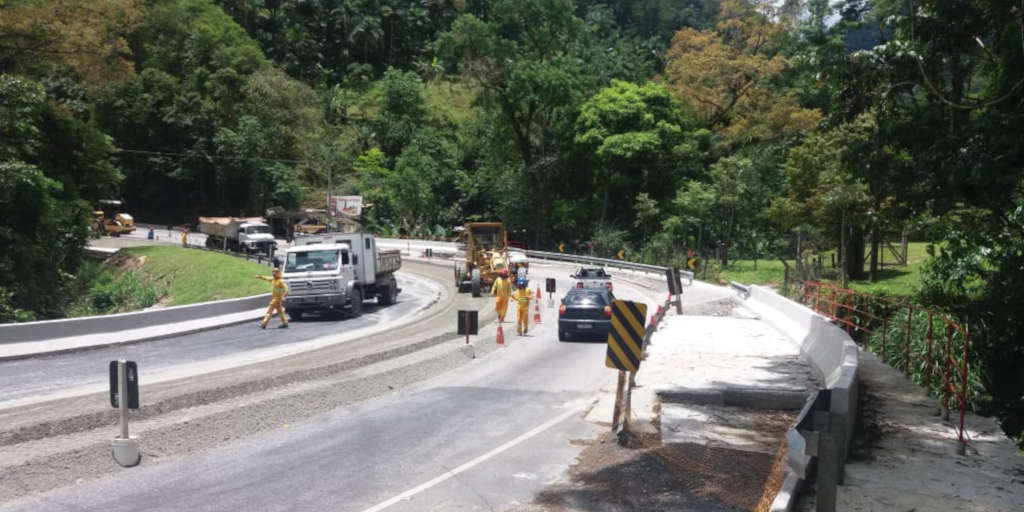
[(585, 312)]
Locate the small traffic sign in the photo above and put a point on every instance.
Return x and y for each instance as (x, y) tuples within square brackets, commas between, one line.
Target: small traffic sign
[(626, 337), (622, 254), (691, 263), (131, 371), (561, 247), (549, 285), (467, 322)]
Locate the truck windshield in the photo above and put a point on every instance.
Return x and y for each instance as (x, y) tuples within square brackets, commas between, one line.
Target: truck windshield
[(312, 260), (251, 230)]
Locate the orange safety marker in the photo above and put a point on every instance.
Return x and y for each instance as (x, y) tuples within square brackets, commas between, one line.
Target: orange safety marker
[(536, 307), (501, 337)]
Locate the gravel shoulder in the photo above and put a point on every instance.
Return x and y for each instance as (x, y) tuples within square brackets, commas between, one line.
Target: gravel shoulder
[(50, 444)]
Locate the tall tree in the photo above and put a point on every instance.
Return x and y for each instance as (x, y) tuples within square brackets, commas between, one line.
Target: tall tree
[(85, 37), (724, 75), (632, 131)]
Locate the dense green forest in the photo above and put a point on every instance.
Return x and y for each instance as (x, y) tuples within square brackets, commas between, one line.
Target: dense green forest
[(733, 128)]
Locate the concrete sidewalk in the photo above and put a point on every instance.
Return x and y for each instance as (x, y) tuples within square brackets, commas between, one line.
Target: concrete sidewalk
[(717, 394), (704, 370), (87, 341), (908, 460)]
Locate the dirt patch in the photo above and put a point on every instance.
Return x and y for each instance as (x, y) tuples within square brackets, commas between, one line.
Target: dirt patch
[(650, 476), (124, 261), (722, 307)]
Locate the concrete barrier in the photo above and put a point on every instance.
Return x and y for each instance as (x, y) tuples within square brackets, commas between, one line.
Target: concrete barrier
[(831, 353), (53, 329)]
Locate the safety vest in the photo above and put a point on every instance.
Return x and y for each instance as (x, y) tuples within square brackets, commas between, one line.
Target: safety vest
[(278, 289), (502, 288), (523, 297)]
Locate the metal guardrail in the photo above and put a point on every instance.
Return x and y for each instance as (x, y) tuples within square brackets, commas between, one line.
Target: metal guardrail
[(932, 342), (740, 288), (605, 262), (449, 247)]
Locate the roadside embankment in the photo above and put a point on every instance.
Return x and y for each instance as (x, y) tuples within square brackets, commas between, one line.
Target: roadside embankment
[(192, 291)]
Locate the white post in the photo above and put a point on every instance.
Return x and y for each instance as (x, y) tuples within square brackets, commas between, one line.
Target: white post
[(122, 396), (123, 448)]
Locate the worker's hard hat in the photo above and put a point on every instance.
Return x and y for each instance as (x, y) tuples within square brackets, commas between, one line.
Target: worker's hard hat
[(277, 271)]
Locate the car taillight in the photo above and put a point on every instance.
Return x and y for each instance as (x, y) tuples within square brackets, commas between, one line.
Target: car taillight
[(579, 285), (608, 311), (561, 310), (608, 286)]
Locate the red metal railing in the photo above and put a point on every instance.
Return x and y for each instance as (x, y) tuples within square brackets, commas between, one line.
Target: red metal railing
[(872, 321)]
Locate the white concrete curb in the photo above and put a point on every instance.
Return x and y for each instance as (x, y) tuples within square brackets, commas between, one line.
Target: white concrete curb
[(55, 329), (832, 354)]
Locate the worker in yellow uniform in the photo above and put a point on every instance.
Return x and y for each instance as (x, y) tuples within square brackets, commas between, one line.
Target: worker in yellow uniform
[(184, 237), (502, 288), (278, 291), (522, 298)]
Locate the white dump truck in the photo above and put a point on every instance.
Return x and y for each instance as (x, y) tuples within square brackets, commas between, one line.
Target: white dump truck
[(338, 271), (239, 234)]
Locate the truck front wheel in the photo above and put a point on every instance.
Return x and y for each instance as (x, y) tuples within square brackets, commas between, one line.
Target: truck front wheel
[(356, 308), (294, 314)]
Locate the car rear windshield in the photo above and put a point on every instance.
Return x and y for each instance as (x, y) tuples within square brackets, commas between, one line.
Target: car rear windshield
[(592, 272), (586, 299)]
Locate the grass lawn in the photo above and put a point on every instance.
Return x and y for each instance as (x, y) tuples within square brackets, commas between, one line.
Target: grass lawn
[(768, 272), (891, 281), (187, 276)]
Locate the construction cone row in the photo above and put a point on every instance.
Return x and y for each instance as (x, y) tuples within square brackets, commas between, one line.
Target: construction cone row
[(501, 336), (536, 307)]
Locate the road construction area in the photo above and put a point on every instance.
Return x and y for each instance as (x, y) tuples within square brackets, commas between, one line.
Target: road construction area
[(395, 411), (353, 424)]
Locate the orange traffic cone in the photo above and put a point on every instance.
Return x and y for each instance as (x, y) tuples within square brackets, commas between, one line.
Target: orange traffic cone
[(536, 317), (538, 292), (501, 337), (536, 308)]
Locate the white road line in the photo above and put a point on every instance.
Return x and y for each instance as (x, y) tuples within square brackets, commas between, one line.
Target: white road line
[(469, 465)]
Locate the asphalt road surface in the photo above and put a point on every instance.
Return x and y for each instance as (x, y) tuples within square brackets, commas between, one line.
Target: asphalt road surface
[(50, 376), (487, 435)]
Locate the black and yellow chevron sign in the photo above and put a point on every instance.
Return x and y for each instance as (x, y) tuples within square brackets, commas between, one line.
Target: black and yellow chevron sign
[(626, 337)]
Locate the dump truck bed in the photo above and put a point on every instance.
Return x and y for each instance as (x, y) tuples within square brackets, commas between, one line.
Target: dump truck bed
[(226, 227)]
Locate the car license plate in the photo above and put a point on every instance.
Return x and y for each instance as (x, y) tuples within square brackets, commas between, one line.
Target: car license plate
[(583, 326)]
